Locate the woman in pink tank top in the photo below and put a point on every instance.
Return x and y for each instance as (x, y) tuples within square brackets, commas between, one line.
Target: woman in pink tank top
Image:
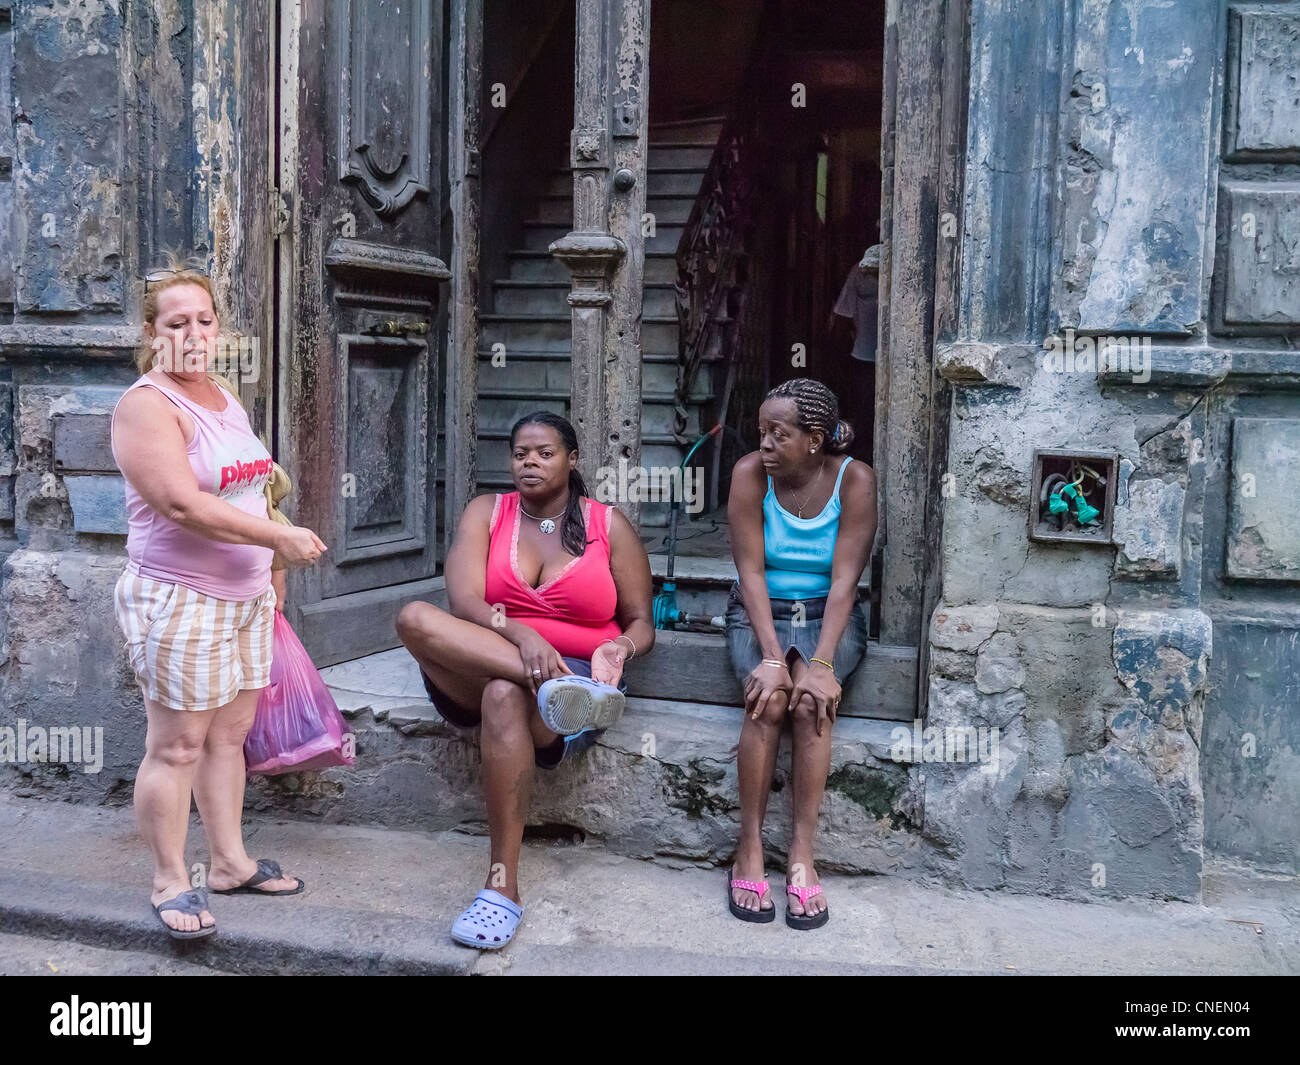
[(195, 602), (549, 592)]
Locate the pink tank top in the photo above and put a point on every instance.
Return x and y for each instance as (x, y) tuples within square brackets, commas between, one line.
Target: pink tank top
[(574, 610), (229, 462)]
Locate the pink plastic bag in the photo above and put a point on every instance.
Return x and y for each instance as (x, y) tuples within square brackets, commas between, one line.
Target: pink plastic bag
[(297, 725)]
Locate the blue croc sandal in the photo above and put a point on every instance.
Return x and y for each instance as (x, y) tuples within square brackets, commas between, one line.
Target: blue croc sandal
[(572, 704), (489, 923)]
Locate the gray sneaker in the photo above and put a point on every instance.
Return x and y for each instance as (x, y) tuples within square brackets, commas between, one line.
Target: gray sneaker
[(571, 704)]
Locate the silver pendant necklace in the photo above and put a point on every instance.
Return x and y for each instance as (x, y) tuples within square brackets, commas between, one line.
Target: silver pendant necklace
[(799, 505), (547, 525)]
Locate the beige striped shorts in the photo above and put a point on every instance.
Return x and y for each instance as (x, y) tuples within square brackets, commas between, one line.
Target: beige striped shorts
[(192, 651)]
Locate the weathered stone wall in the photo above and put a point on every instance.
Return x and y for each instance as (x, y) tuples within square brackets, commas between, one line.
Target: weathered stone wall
[(123, 140), (1095, 659)]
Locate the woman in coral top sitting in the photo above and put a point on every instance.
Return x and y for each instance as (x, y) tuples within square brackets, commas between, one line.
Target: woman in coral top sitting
[(550, 594)]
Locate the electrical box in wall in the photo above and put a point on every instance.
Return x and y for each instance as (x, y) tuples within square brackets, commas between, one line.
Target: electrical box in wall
[(1073, 496)]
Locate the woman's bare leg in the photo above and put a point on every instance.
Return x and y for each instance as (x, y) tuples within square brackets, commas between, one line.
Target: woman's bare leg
[(512, 730), (811, 762), (755, 763), (482, 669), (460, 657), (173, 744), (219, 780)]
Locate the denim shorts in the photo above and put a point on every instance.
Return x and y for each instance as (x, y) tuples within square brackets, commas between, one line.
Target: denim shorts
[(544, 757), (746, 653)]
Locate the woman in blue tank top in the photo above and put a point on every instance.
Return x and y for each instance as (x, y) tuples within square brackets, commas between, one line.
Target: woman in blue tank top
[(803, 519)]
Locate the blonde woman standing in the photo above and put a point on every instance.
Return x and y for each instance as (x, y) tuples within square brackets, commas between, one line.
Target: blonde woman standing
[(196, 600)]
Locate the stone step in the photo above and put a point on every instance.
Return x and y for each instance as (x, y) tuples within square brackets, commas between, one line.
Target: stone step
[(670, 210), (550, 297), (532, 332), (543, 266), (680, 155), (703, 583), (501, 407), (674, 181), (530, 297), (554, 332), (667, 208), (661, 781), (552, 370), (705, 129), (540, 235)]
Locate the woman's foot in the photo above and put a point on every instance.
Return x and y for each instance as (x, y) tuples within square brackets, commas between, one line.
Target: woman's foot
[(748, 865), (802, 874), (226, 877), (175, 919)]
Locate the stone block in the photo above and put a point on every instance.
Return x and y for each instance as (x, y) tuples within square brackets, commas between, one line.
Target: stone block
[(1263, 536), (1162, 658), (98, 503), (963, 628), (1262, 111), (1149, 529), (1141, 131), (998, 667), (67, 668), (1260, 282)]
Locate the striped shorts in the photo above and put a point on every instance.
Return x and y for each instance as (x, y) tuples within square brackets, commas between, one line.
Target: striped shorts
[(192, 651)]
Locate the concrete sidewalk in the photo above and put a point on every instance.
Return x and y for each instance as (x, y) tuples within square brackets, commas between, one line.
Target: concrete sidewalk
[(381, 901)]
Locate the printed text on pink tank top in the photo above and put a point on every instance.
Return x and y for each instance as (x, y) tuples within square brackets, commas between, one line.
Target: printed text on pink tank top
[(240, 476)]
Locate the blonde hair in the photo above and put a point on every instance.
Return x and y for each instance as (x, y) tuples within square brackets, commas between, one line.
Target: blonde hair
[(186, 273)]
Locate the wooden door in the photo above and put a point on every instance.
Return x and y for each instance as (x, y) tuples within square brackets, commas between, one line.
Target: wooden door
[(361, 125)]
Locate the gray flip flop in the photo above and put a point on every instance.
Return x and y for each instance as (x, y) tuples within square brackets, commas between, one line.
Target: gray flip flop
[(266, 870), (194, 902)]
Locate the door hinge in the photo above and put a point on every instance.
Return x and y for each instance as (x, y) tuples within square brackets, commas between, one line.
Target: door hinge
[(281, 212)]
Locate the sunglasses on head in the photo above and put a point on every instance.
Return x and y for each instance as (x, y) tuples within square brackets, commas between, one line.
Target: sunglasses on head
[(154, 276)]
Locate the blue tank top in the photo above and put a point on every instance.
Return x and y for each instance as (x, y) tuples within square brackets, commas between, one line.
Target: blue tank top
[(797, 552)]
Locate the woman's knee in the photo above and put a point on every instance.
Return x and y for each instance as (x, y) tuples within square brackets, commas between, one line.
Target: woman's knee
[(804, 711), (176, 752), (504, 707), (774, 712), (418, 621)]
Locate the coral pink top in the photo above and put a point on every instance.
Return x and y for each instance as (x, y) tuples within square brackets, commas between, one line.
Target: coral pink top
[(574, 610), (230, 463)]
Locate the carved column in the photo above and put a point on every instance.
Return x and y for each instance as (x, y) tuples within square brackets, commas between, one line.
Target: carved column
[(463, 322), (604, 250)]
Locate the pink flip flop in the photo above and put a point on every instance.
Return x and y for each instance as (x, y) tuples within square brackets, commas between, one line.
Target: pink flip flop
[(801, 920), (760, 888)]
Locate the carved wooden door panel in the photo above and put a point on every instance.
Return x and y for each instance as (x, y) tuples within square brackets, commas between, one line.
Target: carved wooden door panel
[(360, 174)]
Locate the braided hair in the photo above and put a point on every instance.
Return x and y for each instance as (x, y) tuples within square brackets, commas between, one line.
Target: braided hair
[(573, 530), (816, 408)]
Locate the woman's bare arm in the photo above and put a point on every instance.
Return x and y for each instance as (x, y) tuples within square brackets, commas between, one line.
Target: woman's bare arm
[(630, 566), (149, 447), (857, 532), (745, 519)]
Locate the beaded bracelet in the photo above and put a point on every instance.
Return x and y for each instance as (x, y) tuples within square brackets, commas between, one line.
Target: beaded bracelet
[(828, 665)]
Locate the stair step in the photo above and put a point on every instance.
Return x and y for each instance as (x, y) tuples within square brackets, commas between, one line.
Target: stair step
[(695, 667), (540, 235), (659, 298), (530, 297), (533, 265), (554, 332), (669, 208)]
